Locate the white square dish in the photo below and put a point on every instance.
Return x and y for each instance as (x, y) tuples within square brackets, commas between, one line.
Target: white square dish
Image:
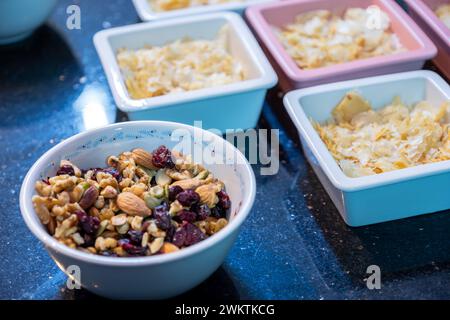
[(146, 12), (386, 196), (230, 106)]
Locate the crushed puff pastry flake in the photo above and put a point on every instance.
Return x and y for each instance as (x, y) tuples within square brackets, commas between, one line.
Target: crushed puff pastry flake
[(319, 38), (179, 66), (365, 141), (443, 13)]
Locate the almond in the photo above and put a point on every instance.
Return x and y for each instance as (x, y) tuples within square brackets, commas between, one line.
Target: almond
[(143, 158), (132, 204), (89, 197)]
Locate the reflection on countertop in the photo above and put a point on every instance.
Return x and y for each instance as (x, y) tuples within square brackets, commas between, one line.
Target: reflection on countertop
[(294, 244)]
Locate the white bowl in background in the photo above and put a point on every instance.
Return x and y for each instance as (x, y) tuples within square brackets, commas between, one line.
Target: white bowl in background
[(153, 277), (146, 13), (381, 197), (232, 106)]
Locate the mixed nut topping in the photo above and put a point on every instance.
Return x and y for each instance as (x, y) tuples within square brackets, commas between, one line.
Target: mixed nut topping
[(143, 203)]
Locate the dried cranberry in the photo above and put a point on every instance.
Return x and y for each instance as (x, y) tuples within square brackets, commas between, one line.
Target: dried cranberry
[(87, 223), (46, 181), (133, 250), (188, 198), (89, 240), (135, 236), (193, 235), (92, 225), (202, 211), (65, 169), (170, 232), (218, 212), (224, 200), (162, 158), (179, 237), (187, 235), (162, 216), (185, 215), (174, 191)]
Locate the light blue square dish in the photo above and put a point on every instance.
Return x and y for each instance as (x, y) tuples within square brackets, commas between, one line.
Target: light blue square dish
[(383, 197), (232, 106)]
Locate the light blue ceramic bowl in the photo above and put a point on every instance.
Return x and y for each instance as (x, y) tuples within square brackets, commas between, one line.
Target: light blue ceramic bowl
[(382, 197), (19, 18)]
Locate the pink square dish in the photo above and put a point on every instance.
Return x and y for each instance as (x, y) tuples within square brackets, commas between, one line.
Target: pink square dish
[(422, 11), (262, 19)]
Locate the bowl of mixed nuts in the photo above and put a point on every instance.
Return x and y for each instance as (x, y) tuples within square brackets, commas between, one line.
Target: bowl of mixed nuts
[(129, 206)]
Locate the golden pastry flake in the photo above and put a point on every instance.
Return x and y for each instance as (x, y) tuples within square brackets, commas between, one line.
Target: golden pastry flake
[(319, 38), (179, 66), (365, 141)]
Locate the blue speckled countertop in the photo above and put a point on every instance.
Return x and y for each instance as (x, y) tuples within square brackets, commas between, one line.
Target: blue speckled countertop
[(294, 244)]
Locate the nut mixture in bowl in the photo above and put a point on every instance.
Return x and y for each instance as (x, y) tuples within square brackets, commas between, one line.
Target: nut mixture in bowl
[(319, 38), (169, 5), (141, 204), (443, 13), (179, 66), (365, 141)]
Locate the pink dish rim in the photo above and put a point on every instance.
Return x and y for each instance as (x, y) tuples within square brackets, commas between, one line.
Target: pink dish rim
[(264, 31), (430, 18)]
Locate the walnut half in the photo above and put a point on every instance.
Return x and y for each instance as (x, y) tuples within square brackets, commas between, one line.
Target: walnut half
[(208, 193)]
